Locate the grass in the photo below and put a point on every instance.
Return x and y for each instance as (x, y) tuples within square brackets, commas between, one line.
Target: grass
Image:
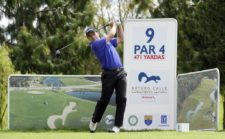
[(34, 112), (106, 135)]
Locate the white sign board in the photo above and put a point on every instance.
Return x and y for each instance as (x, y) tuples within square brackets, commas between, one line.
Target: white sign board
[(150, 53)]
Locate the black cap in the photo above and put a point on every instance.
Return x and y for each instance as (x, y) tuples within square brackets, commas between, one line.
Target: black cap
[(88, 30)]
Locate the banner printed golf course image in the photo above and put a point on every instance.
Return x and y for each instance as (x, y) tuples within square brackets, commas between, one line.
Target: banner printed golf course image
[(55, 102), (198, 102)]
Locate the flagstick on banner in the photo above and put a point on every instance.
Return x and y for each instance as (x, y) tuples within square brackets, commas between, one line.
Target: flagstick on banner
[(150, 59)]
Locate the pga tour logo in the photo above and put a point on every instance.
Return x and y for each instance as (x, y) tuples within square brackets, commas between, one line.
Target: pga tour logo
[(163, 119)]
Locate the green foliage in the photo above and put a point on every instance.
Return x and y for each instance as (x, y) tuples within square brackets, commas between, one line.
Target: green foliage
[(41, 27), (142, 6), (6, 68), (209, 34)]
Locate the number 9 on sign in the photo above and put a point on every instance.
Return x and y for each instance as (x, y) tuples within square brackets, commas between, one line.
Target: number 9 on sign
[(150, 34)]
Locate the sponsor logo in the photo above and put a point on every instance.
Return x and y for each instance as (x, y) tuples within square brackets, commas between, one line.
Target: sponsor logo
[(133, 120), (164, 119), (152, 98), (148, 78), (109, 119), (148, 120)]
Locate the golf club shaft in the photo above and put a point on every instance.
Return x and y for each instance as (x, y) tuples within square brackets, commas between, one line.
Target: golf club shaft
[(103, 27), (65, 46)]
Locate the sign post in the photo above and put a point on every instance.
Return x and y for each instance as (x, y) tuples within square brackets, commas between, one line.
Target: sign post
[(150, 59)]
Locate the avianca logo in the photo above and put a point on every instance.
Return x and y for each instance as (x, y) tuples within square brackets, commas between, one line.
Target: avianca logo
[(148, 78)]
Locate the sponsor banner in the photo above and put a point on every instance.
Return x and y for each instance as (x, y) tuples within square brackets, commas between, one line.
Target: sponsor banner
[(150, 52), (198, 99), (38, 102)]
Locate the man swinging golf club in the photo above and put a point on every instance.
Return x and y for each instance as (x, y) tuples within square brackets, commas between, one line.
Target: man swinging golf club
[(113, 75)]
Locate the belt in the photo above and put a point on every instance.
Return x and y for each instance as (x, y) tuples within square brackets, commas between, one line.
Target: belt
[(113, 69)]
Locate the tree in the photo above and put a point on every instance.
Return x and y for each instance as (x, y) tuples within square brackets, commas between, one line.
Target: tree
[(40, 27), (210, 35), (210, 40), (6, 68)]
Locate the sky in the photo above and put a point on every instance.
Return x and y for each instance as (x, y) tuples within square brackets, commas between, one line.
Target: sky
[(5, 21)]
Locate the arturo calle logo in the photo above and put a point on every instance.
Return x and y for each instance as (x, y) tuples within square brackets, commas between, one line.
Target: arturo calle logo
[(148, 78)]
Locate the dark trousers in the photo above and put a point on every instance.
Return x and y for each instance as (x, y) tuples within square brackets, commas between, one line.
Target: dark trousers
[(112, 79)]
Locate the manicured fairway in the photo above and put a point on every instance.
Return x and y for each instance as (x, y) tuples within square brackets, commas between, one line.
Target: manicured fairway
[(106, 135)]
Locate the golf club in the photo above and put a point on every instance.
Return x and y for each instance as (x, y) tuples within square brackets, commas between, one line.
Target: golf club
[(103, 27), (58, 51)]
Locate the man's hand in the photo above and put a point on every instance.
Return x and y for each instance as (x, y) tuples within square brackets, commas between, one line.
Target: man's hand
[(118, 22), (111, 23), (115, 27)]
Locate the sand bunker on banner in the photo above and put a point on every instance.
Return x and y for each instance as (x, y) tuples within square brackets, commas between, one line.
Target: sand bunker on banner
[(35, 92)]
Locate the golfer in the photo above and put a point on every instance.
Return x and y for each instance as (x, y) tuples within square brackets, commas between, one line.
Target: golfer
[(113, 76)]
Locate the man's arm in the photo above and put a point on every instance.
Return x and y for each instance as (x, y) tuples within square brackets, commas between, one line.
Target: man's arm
[(112, 31), (119, 34)]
